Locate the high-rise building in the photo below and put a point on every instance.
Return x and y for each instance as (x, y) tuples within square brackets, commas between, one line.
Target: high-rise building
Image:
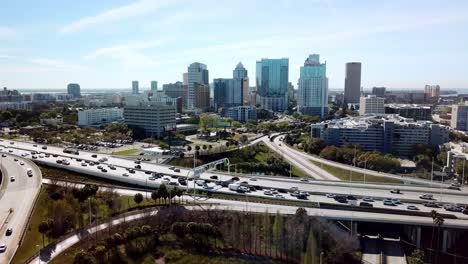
[(313, 88), (197, 75), (99, 116), (201, 96), (241, 73), (135, 87), (242, 114), (227, 93), (155, 118), (432, 91), (352, 90), (460, 117), (371, 104), (185, 78), (74, 90), (154, 85), (176, 90), (378, 91), (272, 77)]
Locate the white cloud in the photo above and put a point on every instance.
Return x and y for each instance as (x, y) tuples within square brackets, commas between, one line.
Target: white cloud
[(115, 14), (55, 64)]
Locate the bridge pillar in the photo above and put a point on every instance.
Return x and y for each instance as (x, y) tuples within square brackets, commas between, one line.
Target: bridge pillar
[(354, 228), (446, 237), (418, 237)]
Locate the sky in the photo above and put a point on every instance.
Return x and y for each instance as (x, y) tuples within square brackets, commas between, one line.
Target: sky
[(107, 44)]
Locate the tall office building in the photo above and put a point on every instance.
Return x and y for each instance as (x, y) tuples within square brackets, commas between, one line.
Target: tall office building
[(371, 104), (154, 85), (272, 77), (197, 74), (241, 73), (378, 91), (185, 78), (313, 88), (352, 90), (74, 90), (175, 90), (201, 97), (155, 118), (432, 91), (227, 93), (460, 117), (135, 87)]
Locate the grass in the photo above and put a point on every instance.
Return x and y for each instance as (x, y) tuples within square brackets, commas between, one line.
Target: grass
[(343, 174), (126, 152), (296, 172), (33, 237)]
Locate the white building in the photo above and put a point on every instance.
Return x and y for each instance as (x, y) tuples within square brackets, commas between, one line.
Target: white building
[(371, 104), (99, 116), (15, 106), (155, 118), (460, 117)]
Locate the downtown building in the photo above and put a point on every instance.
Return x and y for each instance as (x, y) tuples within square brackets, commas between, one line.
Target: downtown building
[(272, 84), (352, 90), (242, 114), (384, 133), (313, 88), (176, 90), (414, 111), (231, 92), (99, 116), (371, 104), (460, 117), (135, 87), (198, 87), (74, 90)]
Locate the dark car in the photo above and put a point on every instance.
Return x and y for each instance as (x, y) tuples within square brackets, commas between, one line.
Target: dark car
[(103, 170), (137, 166), (350, 197), (235, 178), (94, 156), (341, 199), (9, 231), (366, 204), (147, 172), (137, 162), (454, 188), (431, 204), (44, 147), (213, 177)]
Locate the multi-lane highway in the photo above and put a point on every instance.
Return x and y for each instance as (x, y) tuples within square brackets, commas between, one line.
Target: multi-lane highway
[(115, 169), (19, 192), (302, 160)]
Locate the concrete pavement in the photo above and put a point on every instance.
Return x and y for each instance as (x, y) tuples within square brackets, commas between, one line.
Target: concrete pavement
[(17, 202)]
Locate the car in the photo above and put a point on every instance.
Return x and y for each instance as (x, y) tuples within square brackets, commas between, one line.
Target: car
[(131, 171), (125, 174), (103, 170), (99, 167), (35, 145), (426, 197), (41, 156), (453, 208), (388, 202), (94, 156), (79, 160), (44, 147), (137, 166), (431, 204), (454, 188), (29, 172), (330, 195), (172, 168), (166, 180), (412, 207), (279, 196), (235, 179), (252, 179), (368, 199), (112, 168), (174, 176), (137, 162), (10, 150), (59, 161), (396, 191), (4, 155), (304, 180), (34, 157), (295, 194), (213, 177), (151, 178), (176, 170), (65, 162), (9, 231), (84, 164), (21, 163), (15, 159), (269, 193), (147, 172), (53, 155), (3, 248), (341, 199), (455, 184), (351, 197), (396, 201), (365, 204), (11, 143), (12, 178)]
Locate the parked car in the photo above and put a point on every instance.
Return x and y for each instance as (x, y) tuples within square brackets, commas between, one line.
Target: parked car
[(125, 174), (176, 170)]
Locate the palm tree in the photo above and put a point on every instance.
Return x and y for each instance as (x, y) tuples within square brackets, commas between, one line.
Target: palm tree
[(439, 221)]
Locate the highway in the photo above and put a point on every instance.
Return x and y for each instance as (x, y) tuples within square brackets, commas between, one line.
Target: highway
[(17, 201), (304, 159), (317, 189)]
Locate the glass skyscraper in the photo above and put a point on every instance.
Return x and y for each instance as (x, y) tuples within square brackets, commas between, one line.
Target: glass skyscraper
[(197, 73), (272, 84), (313, 87), (230, 92)]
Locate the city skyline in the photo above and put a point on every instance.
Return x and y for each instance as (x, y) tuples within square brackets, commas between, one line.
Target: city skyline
[(109, 44)]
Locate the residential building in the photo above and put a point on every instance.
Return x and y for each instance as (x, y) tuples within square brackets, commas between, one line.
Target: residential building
[(99, 116), (460, 117), (378, 91), (241, 74), (371, 104), (242, 114), (15, 106), (387, 134), (197, 76), (352, 90), (154, 118), (74, 90), (176, 90), (42, 98), (135, 88), (154, 85), (201, 96), (10, 95), (272, 77), (432, 91), (313, 88), (415, 111)]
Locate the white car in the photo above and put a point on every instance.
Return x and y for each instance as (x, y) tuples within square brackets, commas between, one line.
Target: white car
[(21, 163), (253, 179), (166, 180), (12, 178), (3, 248)]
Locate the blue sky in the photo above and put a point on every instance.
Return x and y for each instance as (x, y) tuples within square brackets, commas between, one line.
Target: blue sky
[(107, 44)]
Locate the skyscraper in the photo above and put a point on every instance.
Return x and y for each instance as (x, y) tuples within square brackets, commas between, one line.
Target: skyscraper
[(240, 73), (154, 85), (272, 84), (74, 90), (201, 96), (227, 93), (175, 90), (135, 87), (352, 91), (313, 87), (197, 73), (432, 91)]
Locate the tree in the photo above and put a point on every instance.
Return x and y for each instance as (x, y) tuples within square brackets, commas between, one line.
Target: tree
[(204, 147), (163, 192), (417, 257), (206, 122), (189, 148), (155, 195), (243, 139), (43, 228), (439, 221), (236, 124), (83, 257), (138, 198)]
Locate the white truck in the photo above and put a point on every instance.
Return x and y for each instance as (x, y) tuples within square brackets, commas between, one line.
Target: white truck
[(234, 187)]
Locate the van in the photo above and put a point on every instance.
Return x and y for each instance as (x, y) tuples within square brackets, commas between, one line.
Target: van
[(234, 187)]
